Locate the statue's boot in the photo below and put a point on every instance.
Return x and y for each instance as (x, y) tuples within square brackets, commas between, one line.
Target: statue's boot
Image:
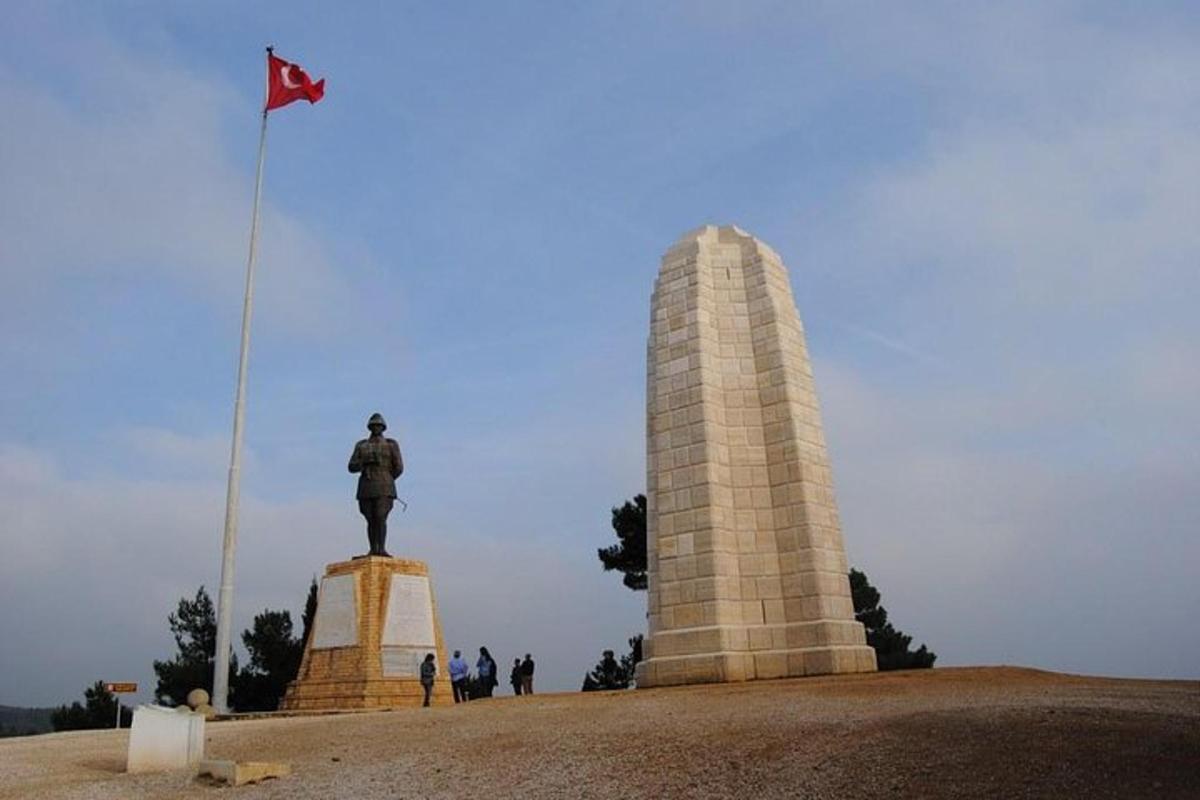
[(377, 549), (377, 535)]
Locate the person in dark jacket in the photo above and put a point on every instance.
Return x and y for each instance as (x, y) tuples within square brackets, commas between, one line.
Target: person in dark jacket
[(428, 673), (527, 675), (379, 462), (514, 677), (485, 668)]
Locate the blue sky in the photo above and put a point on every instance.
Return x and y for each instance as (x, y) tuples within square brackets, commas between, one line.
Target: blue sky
[(989, 215)]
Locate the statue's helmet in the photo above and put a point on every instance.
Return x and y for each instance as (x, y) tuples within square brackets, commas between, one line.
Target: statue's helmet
[(376, 419)]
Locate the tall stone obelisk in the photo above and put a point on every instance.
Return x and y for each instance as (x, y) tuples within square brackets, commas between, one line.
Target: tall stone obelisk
[(747, 570)]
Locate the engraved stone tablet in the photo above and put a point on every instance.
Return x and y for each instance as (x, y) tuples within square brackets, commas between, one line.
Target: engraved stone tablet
[(336, 624), (409, 619), (404, 662)]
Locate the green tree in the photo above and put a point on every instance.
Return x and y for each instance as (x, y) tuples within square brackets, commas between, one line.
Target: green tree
[(631, 659), (628, 555), (310, 611), (611, 673), (194, 625), (891, 646), (98, 711), (274, 660), (606, 676)]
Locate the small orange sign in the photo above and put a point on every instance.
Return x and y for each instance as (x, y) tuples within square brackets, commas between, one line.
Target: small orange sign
[(121, 688)]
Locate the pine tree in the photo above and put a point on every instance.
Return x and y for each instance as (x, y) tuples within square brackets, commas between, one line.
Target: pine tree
[(194, 625), (274, 660), (629, 557), (310, 611), (275, 654), (611, 673), (629, 554), (891, 646), (606, 676), (630, 660)]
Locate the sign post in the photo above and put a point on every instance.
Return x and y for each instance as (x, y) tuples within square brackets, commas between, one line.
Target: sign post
[(118, 689)]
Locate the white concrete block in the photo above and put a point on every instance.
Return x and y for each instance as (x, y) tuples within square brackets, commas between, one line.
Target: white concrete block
[(163, 739)]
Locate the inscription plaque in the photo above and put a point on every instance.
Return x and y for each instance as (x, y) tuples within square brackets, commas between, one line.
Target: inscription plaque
[(405, 662), (336, 624), (409, 619)]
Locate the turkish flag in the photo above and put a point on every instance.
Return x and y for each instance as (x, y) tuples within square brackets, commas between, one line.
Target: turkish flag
[(287, 82)]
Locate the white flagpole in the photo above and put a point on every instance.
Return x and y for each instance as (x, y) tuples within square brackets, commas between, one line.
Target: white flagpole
[(220, 694)]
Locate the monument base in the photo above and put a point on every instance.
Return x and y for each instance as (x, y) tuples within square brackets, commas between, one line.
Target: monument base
[(376, 621), (764, 652)]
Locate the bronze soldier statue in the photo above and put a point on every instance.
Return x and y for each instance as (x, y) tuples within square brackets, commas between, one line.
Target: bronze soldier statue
[(378, 459)]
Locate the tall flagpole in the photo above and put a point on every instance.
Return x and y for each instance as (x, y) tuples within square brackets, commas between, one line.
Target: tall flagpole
[(220, 695)]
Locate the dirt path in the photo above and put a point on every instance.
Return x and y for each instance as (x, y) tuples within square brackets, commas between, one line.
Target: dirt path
[(972, 732)]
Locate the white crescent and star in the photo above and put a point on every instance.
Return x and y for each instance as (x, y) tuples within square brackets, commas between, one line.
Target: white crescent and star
[(283, 76)]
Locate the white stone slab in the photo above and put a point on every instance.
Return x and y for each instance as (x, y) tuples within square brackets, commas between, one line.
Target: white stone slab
[(405, 662), (163, 739), (336, 624), (408, 621)]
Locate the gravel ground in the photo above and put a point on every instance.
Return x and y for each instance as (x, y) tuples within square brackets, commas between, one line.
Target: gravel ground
[(942, 733)]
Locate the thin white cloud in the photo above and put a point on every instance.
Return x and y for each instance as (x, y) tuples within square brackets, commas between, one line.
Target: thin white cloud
[(989, 549), (1037, 495), (891, 343), (1035, 500), (1060, 165), (142, 187), (176, 452)]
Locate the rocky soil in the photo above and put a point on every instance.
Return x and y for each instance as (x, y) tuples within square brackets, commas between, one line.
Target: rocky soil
[(942, 733)]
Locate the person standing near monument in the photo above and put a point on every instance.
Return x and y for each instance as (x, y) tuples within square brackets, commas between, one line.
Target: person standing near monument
[(458, 677), (527, 674), (378, 460), (514, 677), (428, 673), (485, 667)]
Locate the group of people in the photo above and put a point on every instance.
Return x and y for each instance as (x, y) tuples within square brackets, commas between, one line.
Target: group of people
[(487, 676)]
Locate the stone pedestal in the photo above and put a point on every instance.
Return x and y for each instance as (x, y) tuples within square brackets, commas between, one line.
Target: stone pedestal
[(747, 571), (376, 620)]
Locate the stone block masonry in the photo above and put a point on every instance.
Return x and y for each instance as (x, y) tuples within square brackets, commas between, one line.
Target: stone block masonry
[(747, 569)]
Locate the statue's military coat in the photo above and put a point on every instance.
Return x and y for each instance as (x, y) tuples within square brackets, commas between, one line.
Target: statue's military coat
[(379, 461)]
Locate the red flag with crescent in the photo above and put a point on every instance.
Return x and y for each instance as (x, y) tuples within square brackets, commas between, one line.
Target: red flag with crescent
[(286, 82)]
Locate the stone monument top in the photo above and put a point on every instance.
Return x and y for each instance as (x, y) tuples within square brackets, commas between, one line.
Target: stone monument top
[(718, 234)]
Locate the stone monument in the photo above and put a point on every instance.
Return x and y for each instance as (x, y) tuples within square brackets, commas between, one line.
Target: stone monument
[(746, 566), (376, 616)]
